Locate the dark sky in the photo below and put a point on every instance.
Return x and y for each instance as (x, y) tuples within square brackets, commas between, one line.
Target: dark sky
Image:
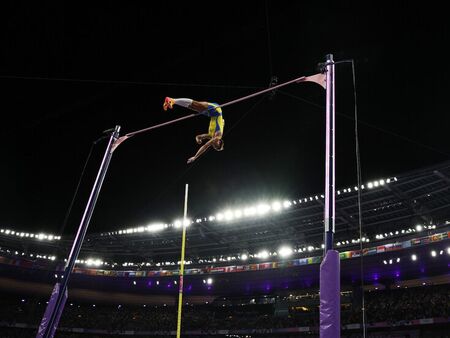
[(70, 71)]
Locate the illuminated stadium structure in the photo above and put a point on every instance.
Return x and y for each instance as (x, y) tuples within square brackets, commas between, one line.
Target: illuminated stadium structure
[(391, 207), (269, 249), (396, 208)]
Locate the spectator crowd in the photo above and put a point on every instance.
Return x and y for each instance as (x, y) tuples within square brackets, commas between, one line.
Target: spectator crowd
[(382, 306)]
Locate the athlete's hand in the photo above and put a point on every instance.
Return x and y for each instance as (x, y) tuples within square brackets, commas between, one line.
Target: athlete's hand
[(190, 160)]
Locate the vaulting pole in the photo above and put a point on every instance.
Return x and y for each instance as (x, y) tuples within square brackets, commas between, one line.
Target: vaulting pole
[(183, 247), (330, 326), (55, 306)]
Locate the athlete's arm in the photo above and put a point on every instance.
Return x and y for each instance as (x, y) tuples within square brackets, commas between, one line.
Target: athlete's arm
[(199, 138), (202, 149)]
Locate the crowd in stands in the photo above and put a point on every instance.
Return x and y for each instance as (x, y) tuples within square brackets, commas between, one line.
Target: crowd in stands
[(386, 305), (407, 304)]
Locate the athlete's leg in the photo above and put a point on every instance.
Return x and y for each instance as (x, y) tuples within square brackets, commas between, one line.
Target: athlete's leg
[(198, 106), (202, 149), (169, 102)]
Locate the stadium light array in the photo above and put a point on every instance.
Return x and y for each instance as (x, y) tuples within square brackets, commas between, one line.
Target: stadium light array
[(391, 261), (285, 251), (94, 262), (263, 254), (257, 210), (27, 235), (260, 210), (276, 206), (30, 255)]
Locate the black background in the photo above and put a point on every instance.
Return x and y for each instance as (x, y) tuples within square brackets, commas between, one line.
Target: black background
[(71, 70)]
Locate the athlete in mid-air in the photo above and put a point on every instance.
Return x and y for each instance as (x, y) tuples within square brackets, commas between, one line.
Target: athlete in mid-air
[(216, 123)]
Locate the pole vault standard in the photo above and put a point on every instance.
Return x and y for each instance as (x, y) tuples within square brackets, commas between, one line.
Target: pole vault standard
[(58, 298), (55, 306), (330, 322)]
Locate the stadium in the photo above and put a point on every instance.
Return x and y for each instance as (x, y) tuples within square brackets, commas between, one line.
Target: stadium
[(309, 142), (252, 271)]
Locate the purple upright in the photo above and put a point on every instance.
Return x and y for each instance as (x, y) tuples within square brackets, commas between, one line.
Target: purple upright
[(49, 310), (330, 303), (55, 306), (330, 324)]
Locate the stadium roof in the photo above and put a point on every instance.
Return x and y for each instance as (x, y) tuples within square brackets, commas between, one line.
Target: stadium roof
[(388, 205)]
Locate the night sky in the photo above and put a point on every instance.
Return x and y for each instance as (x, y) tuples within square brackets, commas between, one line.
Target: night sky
[(70, 71)]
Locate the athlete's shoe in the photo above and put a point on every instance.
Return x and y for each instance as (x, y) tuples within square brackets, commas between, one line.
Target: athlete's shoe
[(168, 103)]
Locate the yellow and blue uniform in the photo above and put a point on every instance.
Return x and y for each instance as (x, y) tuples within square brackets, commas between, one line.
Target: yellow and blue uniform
[(216, 122)]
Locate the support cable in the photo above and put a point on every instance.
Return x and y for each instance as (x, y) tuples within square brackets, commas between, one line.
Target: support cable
[(359, 183)]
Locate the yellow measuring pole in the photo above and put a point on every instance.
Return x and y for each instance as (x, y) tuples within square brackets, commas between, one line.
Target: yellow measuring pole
[(183, 246)]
